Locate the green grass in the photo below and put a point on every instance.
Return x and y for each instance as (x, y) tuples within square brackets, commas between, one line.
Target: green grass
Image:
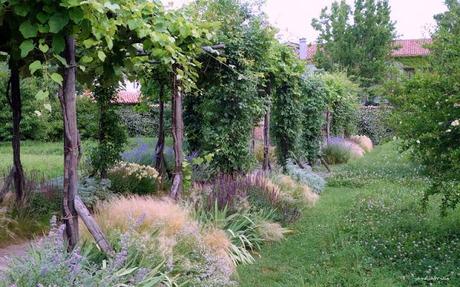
[(46, 159), (37, 157), (368, 229)]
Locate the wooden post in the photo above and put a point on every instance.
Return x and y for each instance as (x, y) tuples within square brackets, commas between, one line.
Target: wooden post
[(159, 148), (92, 226), (72, 204), (328, 125), (16, 107), (266, 163), (68, 104), (178, 136)]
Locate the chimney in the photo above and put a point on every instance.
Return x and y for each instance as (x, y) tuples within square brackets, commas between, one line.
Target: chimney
[(303, 49)]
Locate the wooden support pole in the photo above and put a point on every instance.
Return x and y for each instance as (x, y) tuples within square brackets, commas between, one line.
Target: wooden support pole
[(178, 136), (266, 163), (16, 108), (93, 227)]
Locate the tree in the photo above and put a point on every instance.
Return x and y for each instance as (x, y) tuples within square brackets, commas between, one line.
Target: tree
[(358, 40), (426, 113)]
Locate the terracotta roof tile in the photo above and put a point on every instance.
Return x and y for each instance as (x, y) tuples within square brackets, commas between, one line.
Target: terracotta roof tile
[(128, 97), (124, 97), (405, 48)]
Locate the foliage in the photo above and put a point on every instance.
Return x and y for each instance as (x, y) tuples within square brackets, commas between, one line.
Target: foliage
[(161, 231), (373, 121), (49, 264), (200, 165), (111, 136), (425, 118), (338, 150), (41, 124), (142, 123), (306, 177), (370, 223), (219, 117), (133, 178), (253, 193), (342, 102), (358, 40), (247, 230), (286, 124), (336, 154), (427, 111), (92, 190), (314, 104), (416, 63)]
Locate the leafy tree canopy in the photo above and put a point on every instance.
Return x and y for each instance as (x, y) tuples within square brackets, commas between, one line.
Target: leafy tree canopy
[(357, 39)]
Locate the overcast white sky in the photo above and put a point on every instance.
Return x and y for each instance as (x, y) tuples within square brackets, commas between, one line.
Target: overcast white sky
[(293, 17)]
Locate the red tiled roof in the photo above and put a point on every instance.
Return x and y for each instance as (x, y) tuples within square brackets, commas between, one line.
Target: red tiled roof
[(411, 48), (124, 97), (404, 48), (128, 97)]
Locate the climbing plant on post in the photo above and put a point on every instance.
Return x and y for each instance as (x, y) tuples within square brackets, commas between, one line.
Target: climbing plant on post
[(177, 133), (286, 121)]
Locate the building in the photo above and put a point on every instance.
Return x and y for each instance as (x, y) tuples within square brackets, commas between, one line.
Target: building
[(411, 54)]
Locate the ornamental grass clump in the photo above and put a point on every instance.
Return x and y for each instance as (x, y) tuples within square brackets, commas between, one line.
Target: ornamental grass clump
[(339, 150), (48, 263), (134, 178), (162, 230), (364, 142), (299, 191)]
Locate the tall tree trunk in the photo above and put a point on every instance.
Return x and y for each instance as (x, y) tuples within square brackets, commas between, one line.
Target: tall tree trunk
[(159, 148), (266, 163), (68, 105), (178, 136), (16, 107)]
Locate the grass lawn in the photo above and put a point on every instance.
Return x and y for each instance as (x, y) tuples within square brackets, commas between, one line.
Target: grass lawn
[(368, 229), (37, 157), (46, 159)]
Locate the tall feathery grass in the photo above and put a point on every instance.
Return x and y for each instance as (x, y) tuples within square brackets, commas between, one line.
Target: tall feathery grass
[(364, 142)]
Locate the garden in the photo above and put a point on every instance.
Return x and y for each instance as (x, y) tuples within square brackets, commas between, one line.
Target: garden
[(239, 165)]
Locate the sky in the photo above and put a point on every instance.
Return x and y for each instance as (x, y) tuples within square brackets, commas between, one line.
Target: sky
[(414, 18)]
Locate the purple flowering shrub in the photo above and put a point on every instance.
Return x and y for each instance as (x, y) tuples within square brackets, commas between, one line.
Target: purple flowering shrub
[(144, 153)]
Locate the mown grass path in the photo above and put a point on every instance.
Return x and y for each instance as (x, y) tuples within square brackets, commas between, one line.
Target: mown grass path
[(368, 229)]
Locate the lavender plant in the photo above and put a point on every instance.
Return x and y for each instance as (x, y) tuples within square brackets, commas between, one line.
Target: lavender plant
[(49, 264)]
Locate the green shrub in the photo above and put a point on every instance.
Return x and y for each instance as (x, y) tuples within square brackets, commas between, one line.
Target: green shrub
[(133, 178), (92, 190), (373, 121), (315, 100), (343, 103), (427, 111), (140, 121)]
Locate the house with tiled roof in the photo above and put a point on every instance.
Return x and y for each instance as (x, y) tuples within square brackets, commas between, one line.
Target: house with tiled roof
[(412, 54)]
